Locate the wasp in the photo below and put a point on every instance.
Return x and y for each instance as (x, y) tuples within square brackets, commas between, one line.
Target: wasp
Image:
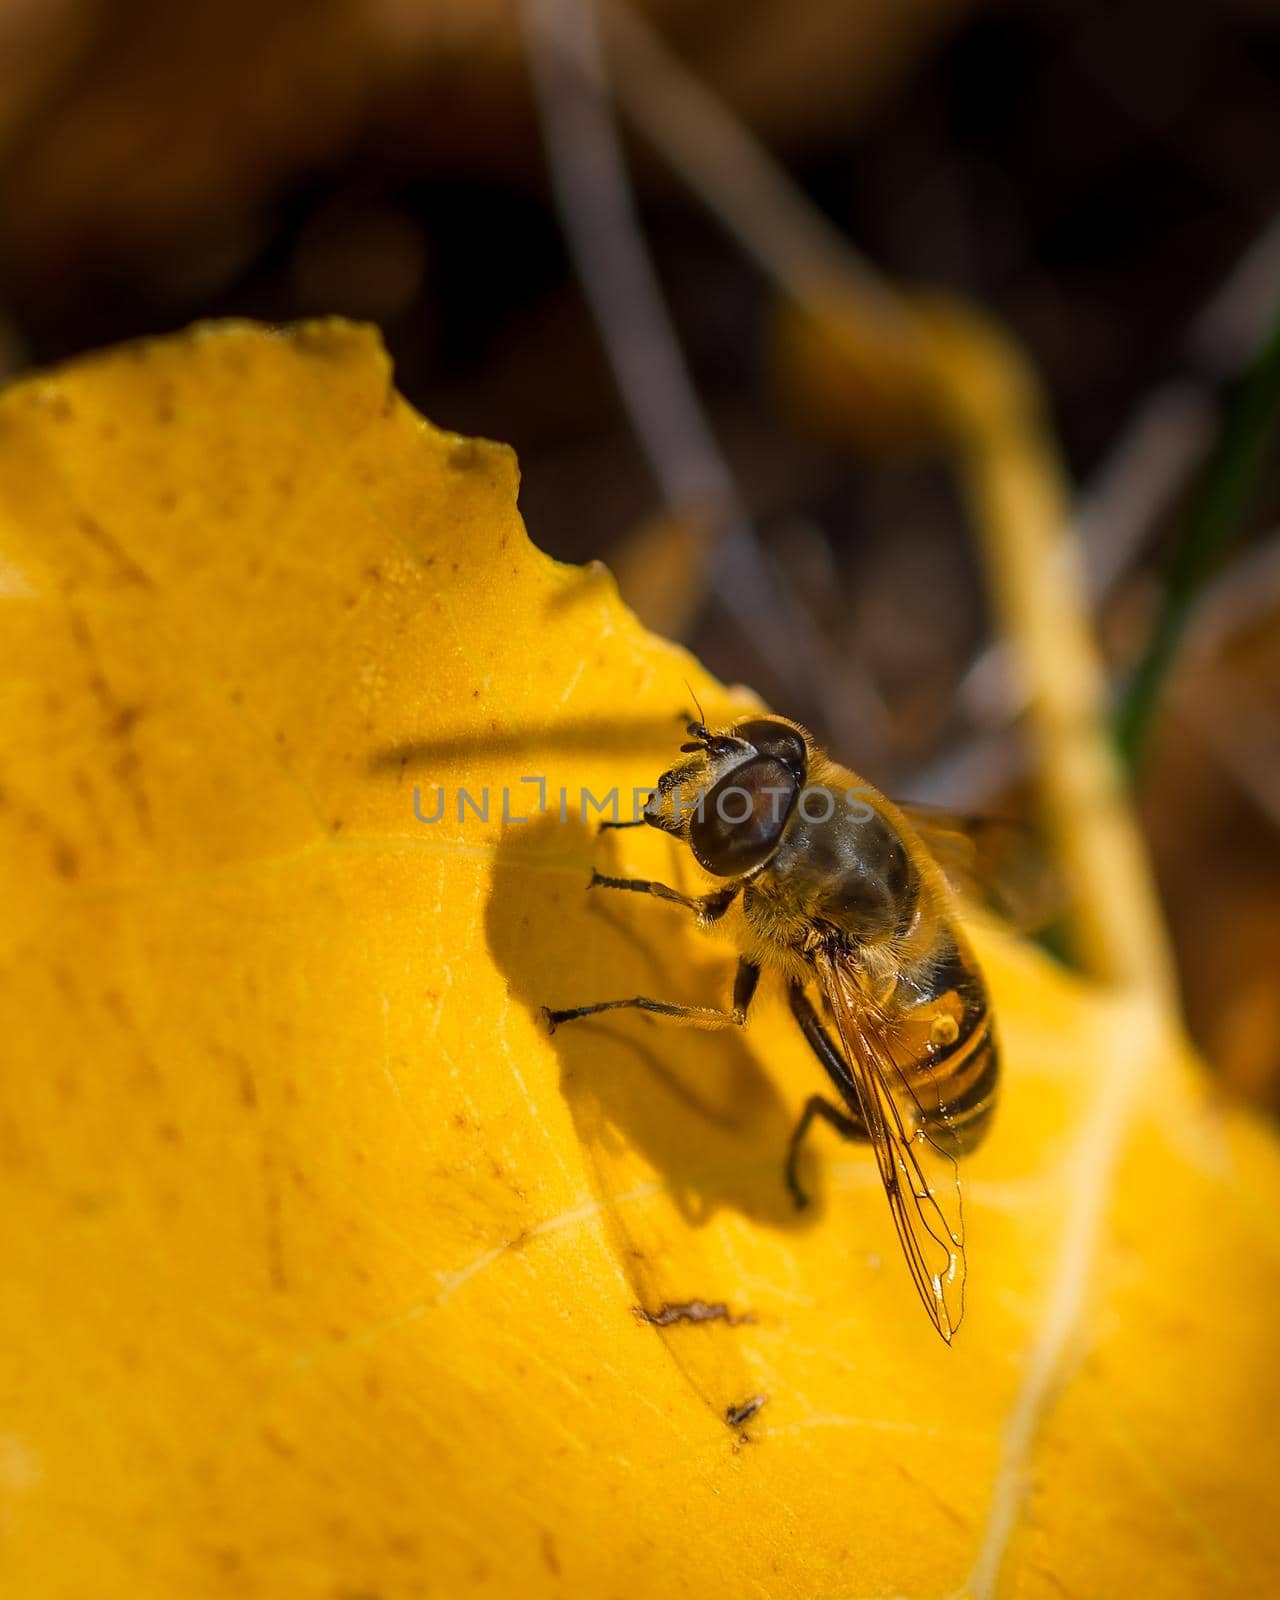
[(848, 897)]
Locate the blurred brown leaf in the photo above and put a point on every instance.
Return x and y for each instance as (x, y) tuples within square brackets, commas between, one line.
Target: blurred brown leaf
[(134, 131), (1214, 769)]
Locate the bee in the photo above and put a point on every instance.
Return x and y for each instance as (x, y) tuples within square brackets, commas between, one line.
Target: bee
[(844, 894)]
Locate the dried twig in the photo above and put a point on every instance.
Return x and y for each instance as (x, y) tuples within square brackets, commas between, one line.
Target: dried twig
[(598, 213)]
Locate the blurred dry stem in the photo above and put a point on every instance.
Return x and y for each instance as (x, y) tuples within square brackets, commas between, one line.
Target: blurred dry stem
[(596, 205), (1211, 522), (1012, 477), (958, 384), (1170, 433), (661, 567), (811, 262), (708, 146), (706, 541), (914, 374)]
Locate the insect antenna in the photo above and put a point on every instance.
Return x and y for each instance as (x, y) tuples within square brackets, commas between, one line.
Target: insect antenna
[(699, 730)]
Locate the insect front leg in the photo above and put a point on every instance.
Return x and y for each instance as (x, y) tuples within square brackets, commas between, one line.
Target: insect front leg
[(744, 987), (708, 908)]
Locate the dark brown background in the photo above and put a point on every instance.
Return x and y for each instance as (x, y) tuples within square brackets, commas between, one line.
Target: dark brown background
[(1092, 173)]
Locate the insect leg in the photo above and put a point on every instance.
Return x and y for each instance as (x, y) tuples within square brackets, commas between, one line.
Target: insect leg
[(709, 908), (846, 1126), (824, 1047), (744, 987)]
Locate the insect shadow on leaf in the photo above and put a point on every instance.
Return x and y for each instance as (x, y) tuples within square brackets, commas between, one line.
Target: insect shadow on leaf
[(622, 736), (675, 1127), (693, 1106)]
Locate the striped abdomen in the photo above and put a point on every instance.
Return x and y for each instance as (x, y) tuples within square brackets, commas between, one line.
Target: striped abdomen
[(951, 1058)]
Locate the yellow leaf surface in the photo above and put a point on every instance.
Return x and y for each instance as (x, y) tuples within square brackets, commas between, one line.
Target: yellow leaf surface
[(320, 1259)]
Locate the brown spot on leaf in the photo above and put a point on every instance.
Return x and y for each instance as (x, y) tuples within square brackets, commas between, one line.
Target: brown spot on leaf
[(278, 1445), (737, 1415), (125, 720), (66, 862), (106, 542), (672, 1312), (274, 1233)]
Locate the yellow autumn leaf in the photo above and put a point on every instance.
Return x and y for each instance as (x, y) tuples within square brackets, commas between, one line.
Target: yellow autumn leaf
[(322, 1262)]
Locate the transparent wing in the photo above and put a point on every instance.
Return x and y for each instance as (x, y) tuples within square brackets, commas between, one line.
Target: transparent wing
[(993, 862), (920, 1179)]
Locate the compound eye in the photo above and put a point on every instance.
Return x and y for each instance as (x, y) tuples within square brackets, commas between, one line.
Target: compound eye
[(776, 739), (741, 819)]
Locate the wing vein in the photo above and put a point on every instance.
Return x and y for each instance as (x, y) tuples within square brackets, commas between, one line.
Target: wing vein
[(927, 1213)]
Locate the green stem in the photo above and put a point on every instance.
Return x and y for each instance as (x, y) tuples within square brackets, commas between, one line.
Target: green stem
[(1214, 517)]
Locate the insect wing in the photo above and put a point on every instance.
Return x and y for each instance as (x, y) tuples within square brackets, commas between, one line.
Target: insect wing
[(993, 862), (920, 1179)]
